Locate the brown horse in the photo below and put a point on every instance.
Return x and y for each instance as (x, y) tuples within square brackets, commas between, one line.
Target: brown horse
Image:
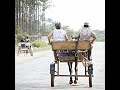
[(80, 56), (70, 67), (70, 70)]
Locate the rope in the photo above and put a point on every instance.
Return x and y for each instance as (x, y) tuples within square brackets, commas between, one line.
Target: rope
[(82, 58)]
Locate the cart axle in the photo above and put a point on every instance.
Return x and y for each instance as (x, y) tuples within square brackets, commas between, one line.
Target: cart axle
[(74, 75)]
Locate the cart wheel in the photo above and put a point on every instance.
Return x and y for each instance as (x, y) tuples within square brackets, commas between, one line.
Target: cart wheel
[(26, 52), (31, 52), (18, 52), (90, 80), (52, 80)]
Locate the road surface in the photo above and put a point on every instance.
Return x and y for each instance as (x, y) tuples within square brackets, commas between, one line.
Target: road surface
[(33, 73)]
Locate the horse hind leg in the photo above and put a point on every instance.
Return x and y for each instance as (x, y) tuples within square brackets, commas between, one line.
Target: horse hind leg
[(70, 70), (76, 73), (71, 81)]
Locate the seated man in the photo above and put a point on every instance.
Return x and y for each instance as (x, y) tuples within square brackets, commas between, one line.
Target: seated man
[(28, 43), (27, 39), (22, 43), (58, 34), (85, 33)]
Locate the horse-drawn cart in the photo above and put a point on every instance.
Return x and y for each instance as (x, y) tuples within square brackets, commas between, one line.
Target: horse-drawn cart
[(72, 51), (25, 47)]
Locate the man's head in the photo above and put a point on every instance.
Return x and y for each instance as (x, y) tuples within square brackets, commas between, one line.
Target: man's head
[(86, 24), (57, 25)]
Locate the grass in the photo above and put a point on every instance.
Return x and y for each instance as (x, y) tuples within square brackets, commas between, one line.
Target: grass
[(41, 49)]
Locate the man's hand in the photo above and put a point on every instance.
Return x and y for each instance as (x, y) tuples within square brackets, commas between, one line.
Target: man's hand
[(91, 42)]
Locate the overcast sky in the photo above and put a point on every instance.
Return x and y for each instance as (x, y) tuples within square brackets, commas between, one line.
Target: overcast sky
[(75, 12)]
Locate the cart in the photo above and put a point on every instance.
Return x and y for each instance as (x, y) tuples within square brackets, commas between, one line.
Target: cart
[(68, 46), (25, 47)]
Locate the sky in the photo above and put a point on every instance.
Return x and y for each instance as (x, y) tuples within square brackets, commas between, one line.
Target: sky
[(75, 12)]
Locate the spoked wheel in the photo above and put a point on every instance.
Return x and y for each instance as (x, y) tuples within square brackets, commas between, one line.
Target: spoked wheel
[(52, 80), (90, 80)]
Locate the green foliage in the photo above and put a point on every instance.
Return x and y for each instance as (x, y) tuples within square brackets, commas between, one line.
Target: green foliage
[(19, 34), (100, 35), (43, 0), (49, 28), (30, 15), (69, 31), (39, 44)]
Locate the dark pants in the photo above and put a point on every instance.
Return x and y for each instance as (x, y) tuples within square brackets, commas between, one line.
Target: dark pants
[(55, 54), (89, 53)]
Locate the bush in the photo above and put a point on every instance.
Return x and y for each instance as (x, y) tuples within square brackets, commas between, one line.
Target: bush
[(39, 44), (19, 34)]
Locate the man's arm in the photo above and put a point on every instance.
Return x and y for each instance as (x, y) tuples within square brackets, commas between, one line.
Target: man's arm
[(66, 37), (94, 38), (49, 37), (78, 37)]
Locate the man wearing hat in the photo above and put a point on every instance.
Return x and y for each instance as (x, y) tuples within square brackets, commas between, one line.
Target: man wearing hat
[(85, 33)]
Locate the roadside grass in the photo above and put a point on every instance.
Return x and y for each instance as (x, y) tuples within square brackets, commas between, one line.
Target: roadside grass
[(35, 49)]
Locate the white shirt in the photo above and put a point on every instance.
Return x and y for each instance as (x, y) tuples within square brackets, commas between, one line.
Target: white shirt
[(59, 35)]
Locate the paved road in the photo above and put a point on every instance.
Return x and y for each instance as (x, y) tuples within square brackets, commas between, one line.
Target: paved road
[(32, 73)]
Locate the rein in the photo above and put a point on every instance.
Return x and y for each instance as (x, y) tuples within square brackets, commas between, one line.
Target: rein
[(76, 50)]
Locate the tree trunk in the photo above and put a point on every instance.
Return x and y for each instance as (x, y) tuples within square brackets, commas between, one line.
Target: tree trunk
[(22, 15), (19, 13)]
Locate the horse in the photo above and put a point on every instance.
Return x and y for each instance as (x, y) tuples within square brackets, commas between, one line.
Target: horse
[(70, 67), (80, 56)]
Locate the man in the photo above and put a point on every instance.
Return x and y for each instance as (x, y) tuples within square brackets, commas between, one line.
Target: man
[(86, 34), (28, 42), (27, 39), (57, 34)]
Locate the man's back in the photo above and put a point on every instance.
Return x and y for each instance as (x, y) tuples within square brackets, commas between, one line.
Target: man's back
[(85, 33), (59, 35)]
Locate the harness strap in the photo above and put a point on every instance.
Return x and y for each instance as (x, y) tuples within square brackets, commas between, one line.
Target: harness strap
[(76, 50)]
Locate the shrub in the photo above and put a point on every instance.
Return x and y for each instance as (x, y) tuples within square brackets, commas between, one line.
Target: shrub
[(19, 34), (39, 44)]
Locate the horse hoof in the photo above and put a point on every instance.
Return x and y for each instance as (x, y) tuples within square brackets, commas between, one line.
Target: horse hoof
[(75, 82), (55, 61), (71, 81)]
